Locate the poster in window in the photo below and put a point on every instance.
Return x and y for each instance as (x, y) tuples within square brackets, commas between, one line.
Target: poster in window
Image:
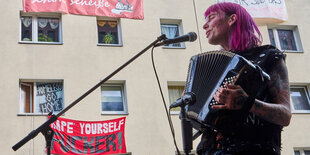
[(49, 97)]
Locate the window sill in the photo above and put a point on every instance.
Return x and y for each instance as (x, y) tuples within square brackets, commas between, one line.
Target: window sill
[(165, 47), (174, 112), (114, 113), (41, 43), (36, 114), (286, 51), (111, 45), (301, 112), (30, 114)]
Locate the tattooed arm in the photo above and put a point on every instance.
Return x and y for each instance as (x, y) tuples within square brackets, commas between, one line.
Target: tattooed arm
[(233, 97), (280, 112)]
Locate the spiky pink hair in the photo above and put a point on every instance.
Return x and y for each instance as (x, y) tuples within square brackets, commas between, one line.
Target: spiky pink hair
[(242, 33)]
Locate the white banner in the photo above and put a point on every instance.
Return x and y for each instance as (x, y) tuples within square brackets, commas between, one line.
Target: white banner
[(275, 9)]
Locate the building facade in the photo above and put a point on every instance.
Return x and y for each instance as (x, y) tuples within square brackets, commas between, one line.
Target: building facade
[(47, 60)]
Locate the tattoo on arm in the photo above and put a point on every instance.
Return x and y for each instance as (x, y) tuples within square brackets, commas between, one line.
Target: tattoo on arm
[(277, 112), (240, 99)]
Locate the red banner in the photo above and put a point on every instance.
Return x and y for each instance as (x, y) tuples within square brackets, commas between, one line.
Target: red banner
[(88, 137), (109, 8)]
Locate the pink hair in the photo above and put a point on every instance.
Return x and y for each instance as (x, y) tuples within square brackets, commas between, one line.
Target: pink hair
[(242, 33)]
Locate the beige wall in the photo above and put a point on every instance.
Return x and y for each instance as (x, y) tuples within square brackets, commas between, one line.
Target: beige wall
[(82, 64)]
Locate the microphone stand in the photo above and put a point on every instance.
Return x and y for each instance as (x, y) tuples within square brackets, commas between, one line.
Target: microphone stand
[(45, 128), (187, 131)]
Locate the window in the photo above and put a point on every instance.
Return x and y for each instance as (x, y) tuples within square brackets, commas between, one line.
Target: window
[(172, 29), (108, 32), (113, 99), (175, 92), (285, 38), (41, 97), (300, 99), (301, 151), (40, 28)]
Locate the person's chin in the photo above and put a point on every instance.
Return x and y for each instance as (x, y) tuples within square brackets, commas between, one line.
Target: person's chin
[(210, 41)]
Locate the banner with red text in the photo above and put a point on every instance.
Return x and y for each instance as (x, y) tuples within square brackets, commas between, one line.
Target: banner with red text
[(88, 137), (109, 8)]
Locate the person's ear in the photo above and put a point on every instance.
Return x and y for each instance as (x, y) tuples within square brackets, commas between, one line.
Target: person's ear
[(232, 19)]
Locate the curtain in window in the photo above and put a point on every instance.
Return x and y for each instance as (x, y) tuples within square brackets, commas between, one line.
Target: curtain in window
[(42, 22), (101, 23), (23, 98), (26, 21), (169, 30), (175, 93), (287, 39), (112, 23), (54, 23)]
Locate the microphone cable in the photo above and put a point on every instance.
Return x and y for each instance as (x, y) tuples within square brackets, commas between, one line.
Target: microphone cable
[(165, 105)]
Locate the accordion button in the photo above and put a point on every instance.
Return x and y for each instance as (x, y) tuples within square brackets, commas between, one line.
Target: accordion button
[(262, 55)]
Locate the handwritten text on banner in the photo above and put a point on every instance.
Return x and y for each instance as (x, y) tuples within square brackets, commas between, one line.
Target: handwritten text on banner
[(263, 8)]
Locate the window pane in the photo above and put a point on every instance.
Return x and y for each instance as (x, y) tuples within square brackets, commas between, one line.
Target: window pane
[(171, 31), (299, 99), (48, 30), (49, 97), (287, 40), (296, 153), (112, 98), (107, 32), (25, 98), (26, 25), (271, 37), (307, 152), (175, 93)]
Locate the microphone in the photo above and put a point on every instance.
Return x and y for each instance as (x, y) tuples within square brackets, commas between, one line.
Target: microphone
[(191, 36), (188, 98)]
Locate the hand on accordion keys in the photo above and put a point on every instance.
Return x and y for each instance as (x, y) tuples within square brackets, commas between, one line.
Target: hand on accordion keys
[(231, 97)]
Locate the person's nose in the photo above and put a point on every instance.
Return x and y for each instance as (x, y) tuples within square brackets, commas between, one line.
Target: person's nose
[(205, 26)]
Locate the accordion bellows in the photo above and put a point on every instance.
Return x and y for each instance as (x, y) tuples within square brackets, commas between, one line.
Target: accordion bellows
[(207, 72)]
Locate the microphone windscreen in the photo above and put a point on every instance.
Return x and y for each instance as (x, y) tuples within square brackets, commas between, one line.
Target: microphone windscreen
[(192, 36)]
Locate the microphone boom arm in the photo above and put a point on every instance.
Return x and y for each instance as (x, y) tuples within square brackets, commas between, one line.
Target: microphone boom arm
[(53, 118)]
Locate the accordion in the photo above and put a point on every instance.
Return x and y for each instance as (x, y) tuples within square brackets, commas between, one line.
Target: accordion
[(207, 72)]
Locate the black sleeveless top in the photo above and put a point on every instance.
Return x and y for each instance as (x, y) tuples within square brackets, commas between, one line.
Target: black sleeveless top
[(253, 133)]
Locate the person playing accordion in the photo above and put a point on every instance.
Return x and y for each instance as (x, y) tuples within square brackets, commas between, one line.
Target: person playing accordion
[(231, 26)]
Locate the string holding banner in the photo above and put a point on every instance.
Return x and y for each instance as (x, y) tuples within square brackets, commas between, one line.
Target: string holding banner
[(88, 137), (110, 8)]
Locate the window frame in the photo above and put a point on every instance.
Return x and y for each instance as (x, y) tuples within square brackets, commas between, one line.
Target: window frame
[(306, 90), (120, 40), (302, 150), (33, 97), (294, 29), (180, 28), (124, 98), (34, 28)]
